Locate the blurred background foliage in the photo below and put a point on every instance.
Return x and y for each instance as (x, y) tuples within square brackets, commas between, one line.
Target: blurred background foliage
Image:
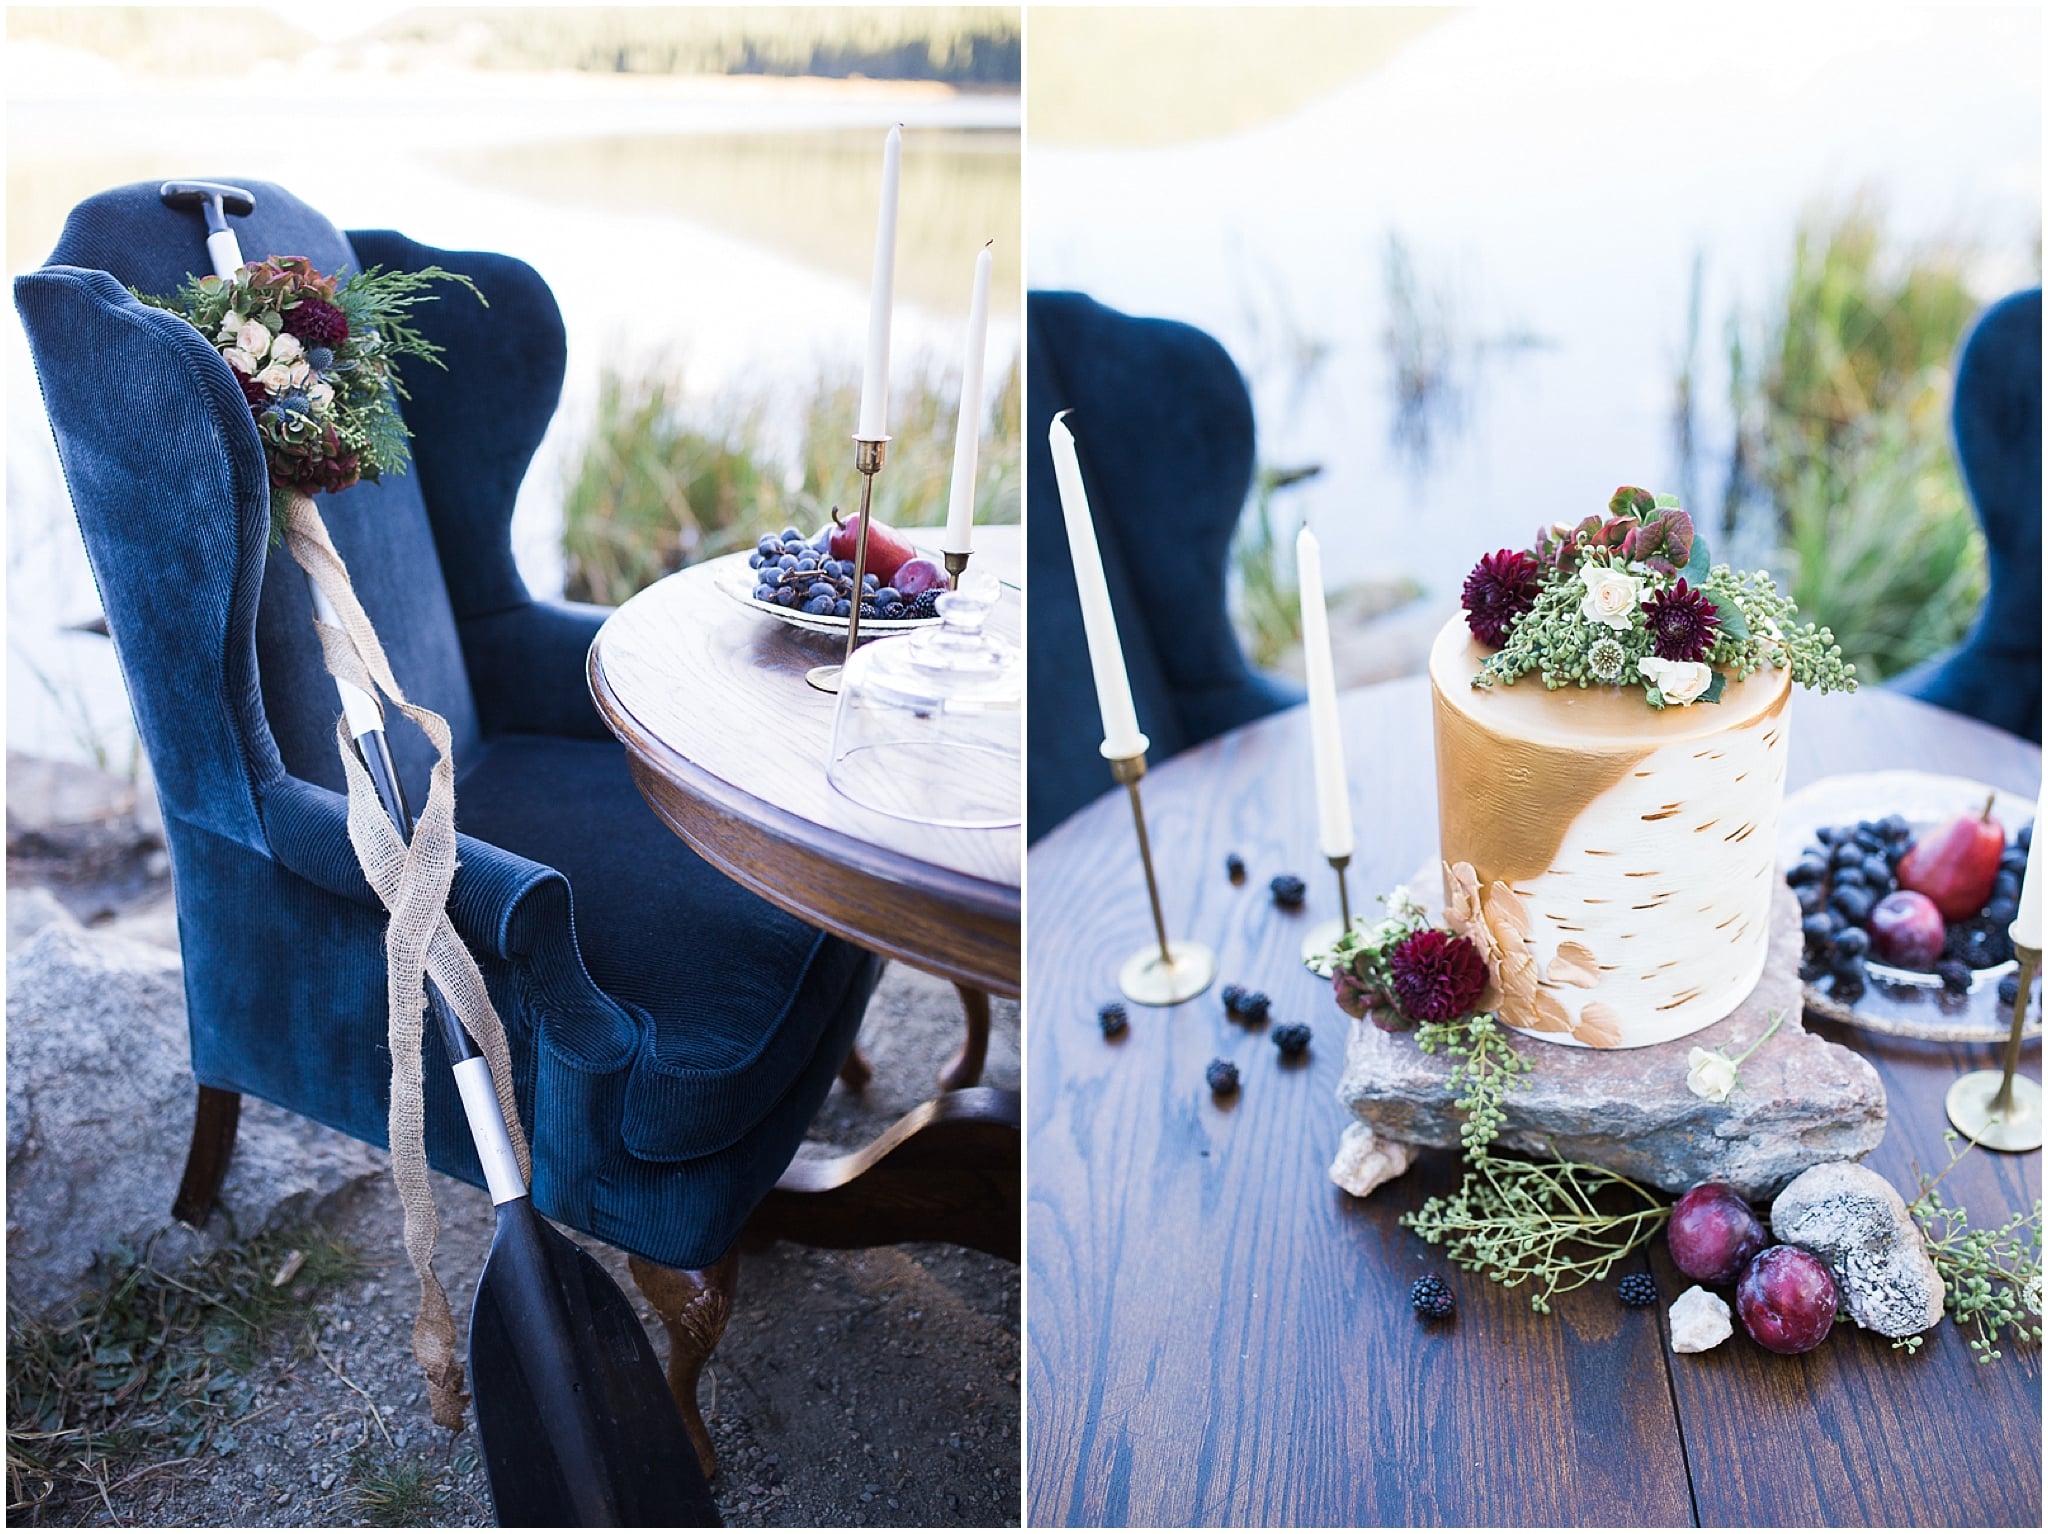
[(1840, 393), (660, 484)]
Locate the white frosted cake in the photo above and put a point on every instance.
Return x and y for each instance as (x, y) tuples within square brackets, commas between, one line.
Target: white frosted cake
[(1616, 861)]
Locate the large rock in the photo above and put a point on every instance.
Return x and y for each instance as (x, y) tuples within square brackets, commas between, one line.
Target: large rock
[(1802, 1100), (1856, 1222), (99, 1115)]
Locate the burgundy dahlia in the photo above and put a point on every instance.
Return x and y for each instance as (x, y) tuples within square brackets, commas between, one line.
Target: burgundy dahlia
[(252, 391), (1501, 588), (1436, 976), (1683, 623), (316, 322)]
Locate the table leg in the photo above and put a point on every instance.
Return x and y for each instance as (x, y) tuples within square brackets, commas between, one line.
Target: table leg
[(694, 1305), (965, 1070)]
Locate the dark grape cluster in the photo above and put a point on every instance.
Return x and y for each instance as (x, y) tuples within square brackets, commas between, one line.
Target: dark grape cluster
[(1841, 879), (793, 571)]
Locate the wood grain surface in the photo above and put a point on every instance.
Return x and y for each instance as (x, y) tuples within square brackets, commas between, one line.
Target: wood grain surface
[(1219, 1335), (730, 746)]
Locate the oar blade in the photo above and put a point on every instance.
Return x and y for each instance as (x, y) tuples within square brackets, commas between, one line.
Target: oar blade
[(538, 1475)]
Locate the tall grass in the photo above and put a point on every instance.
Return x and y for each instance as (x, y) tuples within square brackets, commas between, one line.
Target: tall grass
[(661, 484), (1842, 436)]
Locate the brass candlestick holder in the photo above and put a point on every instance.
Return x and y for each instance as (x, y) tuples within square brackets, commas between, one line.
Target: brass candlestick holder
[(1173, 971), (956, 564), (2001, 1110), (868, 453), (1322, 937)]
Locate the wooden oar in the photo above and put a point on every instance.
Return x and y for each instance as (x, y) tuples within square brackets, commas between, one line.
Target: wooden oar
[(573, 1415)]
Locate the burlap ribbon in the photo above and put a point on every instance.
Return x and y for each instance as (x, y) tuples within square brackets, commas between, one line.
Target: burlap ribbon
[(413, 881)]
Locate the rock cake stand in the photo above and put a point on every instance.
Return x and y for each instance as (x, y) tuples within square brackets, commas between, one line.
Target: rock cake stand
[(1802, 1100)]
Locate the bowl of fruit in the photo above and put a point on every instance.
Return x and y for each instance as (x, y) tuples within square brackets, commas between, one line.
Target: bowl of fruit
[(1907, 883), (807, 582)]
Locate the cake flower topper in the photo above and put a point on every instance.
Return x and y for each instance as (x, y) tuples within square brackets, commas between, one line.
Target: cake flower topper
[(1631, 599)]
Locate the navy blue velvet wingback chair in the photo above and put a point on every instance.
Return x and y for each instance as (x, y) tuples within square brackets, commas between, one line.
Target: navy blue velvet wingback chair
[(1995, 673), (672, 1034), (1163, 425)]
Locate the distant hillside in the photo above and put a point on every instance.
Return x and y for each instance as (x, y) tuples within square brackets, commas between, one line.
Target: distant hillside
[(958, 45)]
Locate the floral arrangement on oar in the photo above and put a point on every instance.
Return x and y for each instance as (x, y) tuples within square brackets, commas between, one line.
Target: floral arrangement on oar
[(1633, 599), (314, 355)]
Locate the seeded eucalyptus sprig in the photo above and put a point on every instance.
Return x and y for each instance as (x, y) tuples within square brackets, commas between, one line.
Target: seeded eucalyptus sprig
[(1519, 1221), (1993, 1276)]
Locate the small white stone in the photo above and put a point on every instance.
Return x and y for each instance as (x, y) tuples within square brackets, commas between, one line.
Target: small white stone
[(1700, 1320), (1365, 1160)]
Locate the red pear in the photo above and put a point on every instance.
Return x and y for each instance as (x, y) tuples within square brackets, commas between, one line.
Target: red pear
[(888, 550), (1956, 866)]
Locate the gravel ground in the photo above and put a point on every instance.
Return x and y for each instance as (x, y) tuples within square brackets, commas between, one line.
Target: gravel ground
[(875, 1387)]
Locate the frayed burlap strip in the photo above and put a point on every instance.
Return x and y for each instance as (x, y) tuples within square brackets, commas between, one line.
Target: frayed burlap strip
[(413, 881)]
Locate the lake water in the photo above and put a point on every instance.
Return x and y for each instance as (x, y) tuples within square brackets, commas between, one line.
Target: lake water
[(722, 228), (1551, 175)]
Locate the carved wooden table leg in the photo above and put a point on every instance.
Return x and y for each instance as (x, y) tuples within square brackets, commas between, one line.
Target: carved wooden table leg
[(965, 1071), (948, 1170), (694, 1305), (206, 1164)]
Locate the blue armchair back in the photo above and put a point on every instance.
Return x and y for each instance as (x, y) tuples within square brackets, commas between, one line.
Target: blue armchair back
[(670, 1053), (1163, 425), (1995, 673)]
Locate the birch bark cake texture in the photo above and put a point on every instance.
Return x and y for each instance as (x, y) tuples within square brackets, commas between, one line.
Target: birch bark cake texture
[(1630, 851)]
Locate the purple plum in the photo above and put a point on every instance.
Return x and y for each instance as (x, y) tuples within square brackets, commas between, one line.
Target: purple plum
[(1906, 929), (1787, 1299), (1713, 1234)]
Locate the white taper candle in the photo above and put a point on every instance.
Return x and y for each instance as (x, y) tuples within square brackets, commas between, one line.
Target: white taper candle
[(959, 537), (2026, 927), (874, 378), (1333, 794), (1120, 734)]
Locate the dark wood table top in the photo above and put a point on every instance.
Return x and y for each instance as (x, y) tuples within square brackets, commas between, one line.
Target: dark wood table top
[(1220, 1335), (730, 745)]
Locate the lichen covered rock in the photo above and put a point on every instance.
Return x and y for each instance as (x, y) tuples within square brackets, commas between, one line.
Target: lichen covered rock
[(1856, 1222)]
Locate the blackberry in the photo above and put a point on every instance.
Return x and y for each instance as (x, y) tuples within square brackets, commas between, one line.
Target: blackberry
[(1955, 975), (1222, 1075), (1253, 1006), (924, 605), (1233, 998), (1292, 1039), (2008, 989), (1637, 1290), (1234, 867), (1431, 1297), (1288, 892), (1113, 1018)]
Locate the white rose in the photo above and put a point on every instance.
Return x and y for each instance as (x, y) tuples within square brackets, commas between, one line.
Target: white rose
[(1680, 681), (1712, 1075), (302, 373), (231, 324), (286, 348), (320, 393), (253, 338), (276, 378), (1611, 594), (240, 360)]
